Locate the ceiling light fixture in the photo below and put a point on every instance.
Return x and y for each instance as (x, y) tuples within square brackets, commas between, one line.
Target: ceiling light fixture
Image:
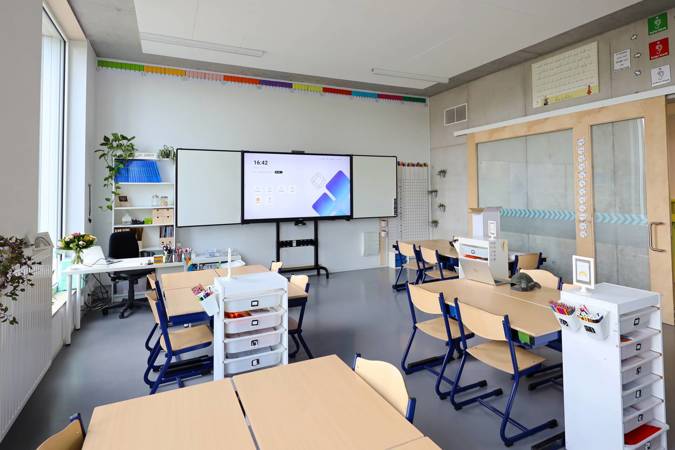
[(170, 40), (409, 76)]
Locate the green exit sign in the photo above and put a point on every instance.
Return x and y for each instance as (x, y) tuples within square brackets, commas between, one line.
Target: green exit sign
[(657, 23)]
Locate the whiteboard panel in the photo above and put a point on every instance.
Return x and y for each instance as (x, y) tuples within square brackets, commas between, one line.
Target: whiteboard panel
[(374, 181), (208, 187)]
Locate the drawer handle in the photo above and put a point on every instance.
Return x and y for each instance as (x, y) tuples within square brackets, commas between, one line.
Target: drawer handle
[(638, 393), (254, 303), (254, 343), (638, 346), (648, 445), (255, 362), (254, 322), (636, 322), (638, 371), (641, 417)]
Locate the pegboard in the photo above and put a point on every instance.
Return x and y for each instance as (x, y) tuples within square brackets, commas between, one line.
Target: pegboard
[(413, 203)]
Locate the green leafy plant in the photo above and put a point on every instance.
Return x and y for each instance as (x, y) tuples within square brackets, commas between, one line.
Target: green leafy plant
[(117, 151), (77, 243), (166, 152), (16, 274)]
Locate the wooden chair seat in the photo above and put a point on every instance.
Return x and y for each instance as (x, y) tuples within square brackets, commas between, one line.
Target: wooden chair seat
[(436, 328), (410, 266), (188, 337), (498, 355), (70, 438), (447, 273)]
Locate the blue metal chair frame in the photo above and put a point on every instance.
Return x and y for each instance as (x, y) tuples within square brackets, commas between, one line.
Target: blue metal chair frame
[(419, 273), (515, 267), (296, 335), (170, 371), (78, 417), (412, 401), (480, 399), (429, 364), (426, 267)]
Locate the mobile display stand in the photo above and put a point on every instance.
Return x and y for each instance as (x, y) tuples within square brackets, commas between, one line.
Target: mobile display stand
[(254, 332), (289, 243), (613, 369)]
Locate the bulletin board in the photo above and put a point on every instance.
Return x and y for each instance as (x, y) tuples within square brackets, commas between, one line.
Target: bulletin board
[(568, 75)]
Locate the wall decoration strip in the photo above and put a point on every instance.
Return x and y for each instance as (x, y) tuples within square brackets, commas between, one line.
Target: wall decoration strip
[(213, 76)]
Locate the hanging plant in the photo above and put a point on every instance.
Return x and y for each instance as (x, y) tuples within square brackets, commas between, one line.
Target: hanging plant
[(16, 274), (117, 151), (166, 152)]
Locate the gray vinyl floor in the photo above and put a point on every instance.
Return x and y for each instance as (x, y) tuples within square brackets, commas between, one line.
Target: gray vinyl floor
[(352, 312)]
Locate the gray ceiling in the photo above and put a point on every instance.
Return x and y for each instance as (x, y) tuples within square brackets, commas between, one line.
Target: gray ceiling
[(111, 27)]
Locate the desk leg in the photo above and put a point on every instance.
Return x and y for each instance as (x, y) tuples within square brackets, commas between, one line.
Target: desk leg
[(69, 312), (218, 341), (78, 301)]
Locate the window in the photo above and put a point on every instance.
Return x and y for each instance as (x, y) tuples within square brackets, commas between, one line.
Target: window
[(50, 190)]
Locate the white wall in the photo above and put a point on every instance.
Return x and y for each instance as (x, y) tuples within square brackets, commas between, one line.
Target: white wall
[(20, 47), (206, 114)]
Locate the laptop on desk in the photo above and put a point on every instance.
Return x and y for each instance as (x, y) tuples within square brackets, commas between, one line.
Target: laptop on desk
[(94, 256), (478, 270)]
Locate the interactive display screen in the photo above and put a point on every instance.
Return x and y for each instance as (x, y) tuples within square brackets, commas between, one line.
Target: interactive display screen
[(283, 186)]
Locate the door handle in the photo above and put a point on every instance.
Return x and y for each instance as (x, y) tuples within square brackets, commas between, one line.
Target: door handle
[(651, 237)]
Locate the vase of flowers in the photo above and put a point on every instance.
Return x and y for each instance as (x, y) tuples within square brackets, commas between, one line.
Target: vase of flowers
[(77, 243)]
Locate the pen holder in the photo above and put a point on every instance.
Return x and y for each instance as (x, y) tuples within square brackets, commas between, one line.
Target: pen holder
[(210, 305), (568, 321), (597, 327)]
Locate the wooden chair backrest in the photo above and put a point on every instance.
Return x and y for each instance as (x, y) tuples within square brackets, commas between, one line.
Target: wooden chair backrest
[(152, 301), (425, 301), (70, 438), (543, 277), (406, 249), (429, 255), (482, 323), (152, 279), (528, 261), (300, 280), (275, 266), (386, 380)]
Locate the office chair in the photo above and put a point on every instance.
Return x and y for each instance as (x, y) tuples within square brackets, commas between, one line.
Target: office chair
[(123, 244)]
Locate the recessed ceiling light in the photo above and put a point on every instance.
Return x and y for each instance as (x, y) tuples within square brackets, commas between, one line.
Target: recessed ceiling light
[(171, 40), (408, 75)]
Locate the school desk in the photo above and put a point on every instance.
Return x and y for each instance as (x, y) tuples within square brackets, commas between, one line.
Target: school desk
[(418, 444), (528, 312), (205, 416), (319, 403), (448, 250)]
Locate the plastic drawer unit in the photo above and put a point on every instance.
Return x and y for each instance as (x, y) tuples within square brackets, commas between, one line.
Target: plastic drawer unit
[(252, 340), (253, 360)]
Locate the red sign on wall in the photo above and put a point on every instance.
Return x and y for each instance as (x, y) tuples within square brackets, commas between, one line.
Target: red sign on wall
[(658, 48)]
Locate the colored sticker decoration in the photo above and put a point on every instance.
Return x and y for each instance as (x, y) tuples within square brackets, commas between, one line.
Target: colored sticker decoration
[(658, 23), (213, 76), (659, 49)]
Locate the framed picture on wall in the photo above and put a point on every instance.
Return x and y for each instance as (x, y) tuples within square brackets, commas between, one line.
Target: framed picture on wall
[(583, 271)]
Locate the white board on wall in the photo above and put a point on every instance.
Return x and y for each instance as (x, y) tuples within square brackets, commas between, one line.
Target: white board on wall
[(374, 184), (208, 187)]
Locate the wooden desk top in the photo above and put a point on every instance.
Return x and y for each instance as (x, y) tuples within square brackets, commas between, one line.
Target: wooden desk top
[(181, 301), (525, 311), (319, 403), (419, 444), (205, 416)]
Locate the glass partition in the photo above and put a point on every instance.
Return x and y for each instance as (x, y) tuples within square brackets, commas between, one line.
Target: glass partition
[(532, 179), (621, 233)]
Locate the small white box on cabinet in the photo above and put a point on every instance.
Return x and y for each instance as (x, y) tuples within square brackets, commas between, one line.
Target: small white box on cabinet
[(613, 384)]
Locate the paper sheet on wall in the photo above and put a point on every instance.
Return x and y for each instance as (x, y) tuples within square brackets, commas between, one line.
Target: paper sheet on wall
[(568, 75), (661, 75)]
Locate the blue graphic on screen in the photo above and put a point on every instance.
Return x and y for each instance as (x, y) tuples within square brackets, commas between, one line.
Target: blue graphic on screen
[(339, 205)]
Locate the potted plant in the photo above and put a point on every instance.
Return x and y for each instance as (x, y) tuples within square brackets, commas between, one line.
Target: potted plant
[(77, 243), (118, 150), (16, 273), (166, 152)]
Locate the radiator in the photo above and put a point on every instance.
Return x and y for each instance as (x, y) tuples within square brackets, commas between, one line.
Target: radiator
[(25, 348)]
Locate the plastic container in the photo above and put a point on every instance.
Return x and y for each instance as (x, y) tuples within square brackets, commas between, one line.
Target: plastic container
[(638, 390), (650, 437), (635, 320), (257, 320), (251, 340), (139, 171), (267, 300), (253, 360), (636, 342), (637, 366), (596, 330), (570, 322), (639, 414)]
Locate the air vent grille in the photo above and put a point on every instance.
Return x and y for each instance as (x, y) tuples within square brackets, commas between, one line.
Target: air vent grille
[(455, 114)]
